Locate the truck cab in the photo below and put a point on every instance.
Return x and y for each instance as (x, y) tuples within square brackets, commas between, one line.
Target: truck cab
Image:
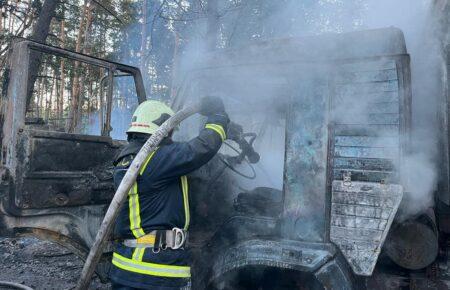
[(332, 119)]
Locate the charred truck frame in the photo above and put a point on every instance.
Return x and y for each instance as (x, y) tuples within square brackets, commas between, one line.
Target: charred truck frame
[(341, 182)]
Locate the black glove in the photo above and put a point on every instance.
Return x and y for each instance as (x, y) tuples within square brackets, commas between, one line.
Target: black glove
[(211, 106), (234, 131)]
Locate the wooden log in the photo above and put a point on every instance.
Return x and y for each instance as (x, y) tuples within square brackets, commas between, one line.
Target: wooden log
[(122, 191)]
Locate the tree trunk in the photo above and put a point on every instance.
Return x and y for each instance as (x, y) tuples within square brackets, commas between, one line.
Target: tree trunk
[(76, 102), (62, 76), (212, 24), (1, 18), (143, 52), (71, 118), (40, 97), (11, 20), (174, 80), (86, 50), (26, 21), (49, 109), (36, 99), (39, 34)]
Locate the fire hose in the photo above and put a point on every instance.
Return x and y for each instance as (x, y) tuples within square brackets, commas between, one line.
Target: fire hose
[(14, 285), (122, 192)]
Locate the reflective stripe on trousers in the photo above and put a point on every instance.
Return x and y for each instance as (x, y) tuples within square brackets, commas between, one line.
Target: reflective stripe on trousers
[(152, 269)]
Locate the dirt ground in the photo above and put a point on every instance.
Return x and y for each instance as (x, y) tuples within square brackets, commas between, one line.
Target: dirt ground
[(40, 265)]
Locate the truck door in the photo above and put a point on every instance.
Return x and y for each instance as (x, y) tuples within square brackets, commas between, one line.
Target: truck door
[(55, 184)]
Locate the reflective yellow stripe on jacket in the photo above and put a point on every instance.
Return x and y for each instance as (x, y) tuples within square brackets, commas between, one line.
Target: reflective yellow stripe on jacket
[(133, 204), (152, 269), (185, 190), (218, 129)]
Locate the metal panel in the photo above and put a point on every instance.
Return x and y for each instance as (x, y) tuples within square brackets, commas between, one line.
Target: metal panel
[(366, 152), (361, 215), (374, 75), (369, 118), (380, 97), (370, 164), (369, 65), (355, 116), (368, 87), (306, 163), (444, 184), (52, 178), (336, 275), (284, 254), (14, 108), (384, 107), (365, 175), (366, 130), (367, 141)]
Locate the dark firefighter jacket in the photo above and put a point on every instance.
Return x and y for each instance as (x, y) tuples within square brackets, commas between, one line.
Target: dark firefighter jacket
[(159, 200)]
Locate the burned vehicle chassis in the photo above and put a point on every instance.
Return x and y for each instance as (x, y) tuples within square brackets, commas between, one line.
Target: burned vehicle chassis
[(331, 225)]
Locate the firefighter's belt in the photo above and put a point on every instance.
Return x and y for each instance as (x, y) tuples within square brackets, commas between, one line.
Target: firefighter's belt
[(160, 239)]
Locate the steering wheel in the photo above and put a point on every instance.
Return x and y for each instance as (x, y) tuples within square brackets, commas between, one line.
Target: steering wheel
[(232, 161)]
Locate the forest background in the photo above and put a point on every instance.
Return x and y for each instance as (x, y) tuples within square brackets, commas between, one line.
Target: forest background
[(154, 35)]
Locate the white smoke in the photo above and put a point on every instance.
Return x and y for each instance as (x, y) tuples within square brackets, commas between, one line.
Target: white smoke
[(287, 18), (419, 166)]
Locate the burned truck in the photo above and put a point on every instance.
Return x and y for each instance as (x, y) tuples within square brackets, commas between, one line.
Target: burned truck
[(308, 197)]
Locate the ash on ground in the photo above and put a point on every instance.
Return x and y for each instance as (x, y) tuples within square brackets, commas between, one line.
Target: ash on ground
[(40, 265)]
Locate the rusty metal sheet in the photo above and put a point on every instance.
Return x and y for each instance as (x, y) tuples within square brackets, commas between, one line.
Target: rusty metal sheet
[(361, 215)]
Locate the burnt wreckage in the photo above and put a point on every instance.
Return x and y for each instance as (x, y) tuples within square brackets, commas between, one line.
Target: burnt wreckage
[(343, 117)]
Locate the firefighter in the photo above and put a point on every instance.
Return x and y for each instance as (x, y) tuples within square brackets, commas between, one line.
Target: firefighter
[(152, 226)]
